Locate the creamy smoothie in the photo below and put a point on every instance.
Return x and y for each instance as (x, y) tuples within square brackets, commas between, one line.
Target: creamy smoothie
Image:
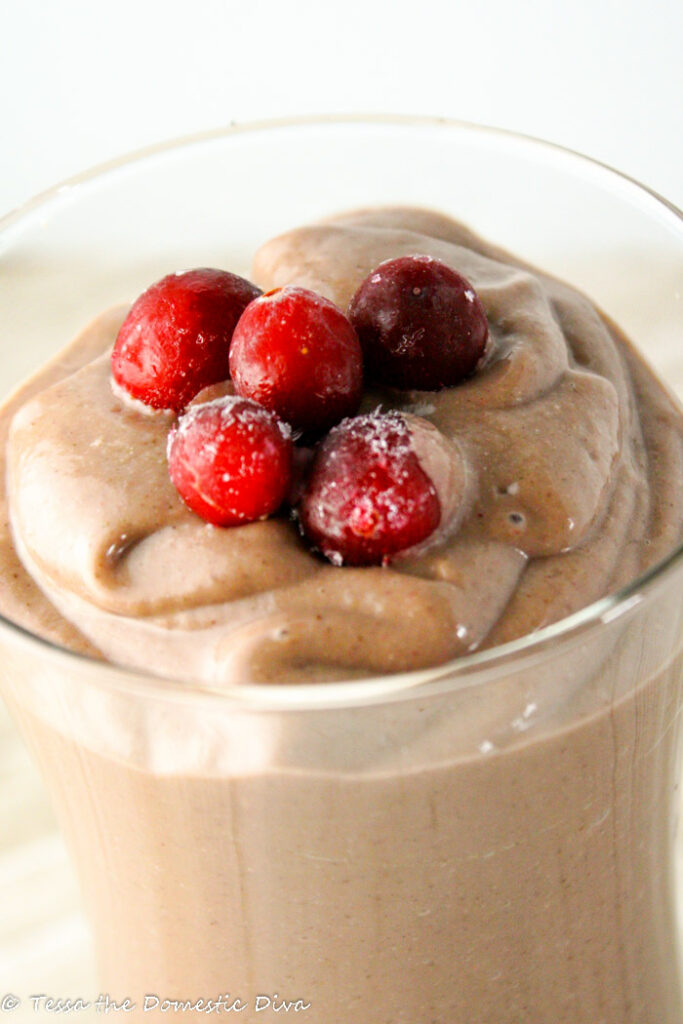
[(501, 853)]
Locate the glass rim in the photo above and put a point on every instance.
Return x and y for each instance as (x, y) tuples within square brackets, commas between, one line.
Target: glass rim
[(420, 683)]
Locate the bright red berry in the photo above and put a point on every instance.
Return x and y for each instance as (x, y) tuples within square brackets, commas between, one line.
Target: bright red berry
[(420, 323), (296, 353), (176, 338), (367, 496), (230, 460)]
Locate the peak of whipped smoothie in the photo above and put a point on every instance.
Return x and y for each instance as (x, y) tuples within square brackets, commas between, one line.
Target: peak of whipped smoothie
[(570, 483)]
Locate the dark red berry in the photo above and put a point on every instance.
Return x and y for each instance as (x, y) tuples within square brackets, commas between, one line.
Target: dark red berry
[(420, 323), (176, 338), (367, 497), (296, 353), (230, 460)]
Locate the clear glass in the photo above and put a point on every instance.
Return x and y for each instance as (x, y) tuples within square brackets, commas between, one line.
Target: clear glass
[(490, 841)]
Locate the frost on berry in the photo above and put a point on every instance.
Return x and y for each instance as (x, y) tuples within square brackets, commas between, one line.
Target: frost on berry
[(367, 497)]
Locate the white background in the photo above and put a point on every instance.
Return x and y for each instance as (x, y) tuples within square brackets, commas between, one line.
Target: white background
[(82, 81)]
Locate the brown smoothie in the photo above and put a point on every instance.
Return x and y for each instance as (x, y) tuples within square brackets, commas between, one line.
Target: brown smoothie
[(572, 453), (497, 853), (375, 863)]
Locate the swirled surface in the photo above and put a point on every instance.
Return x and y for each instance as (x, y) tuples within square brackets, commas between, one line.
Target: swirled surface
[(572, 452)]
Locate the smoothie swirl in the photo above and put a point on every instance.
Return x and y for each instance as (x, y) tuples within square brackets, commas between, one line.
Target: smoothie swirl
[(572, 452)]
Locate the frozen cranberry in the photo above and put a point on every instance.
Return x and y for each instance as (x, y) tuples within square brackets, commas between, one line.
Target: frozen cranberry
[(296, 353), (230, 460), (367, 497), (420, 323), (176, 338)]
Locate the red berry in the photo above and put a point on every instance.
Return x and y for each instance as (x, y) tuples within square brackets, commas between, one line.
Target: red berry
[(230, 460), (176, 338), (420, 323), (296, 353), (367, 497)]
